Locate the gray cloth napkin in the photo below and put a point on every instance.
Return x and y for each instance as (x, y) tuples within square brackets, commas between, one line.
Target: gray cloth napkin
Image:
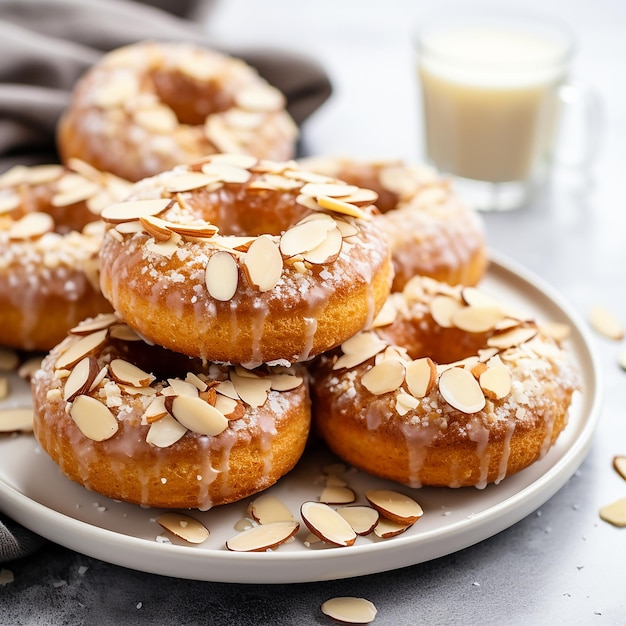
[(45, 45)]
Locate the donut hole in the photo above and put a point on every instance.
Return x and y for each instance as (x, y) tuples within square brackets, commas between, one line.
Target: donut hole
[(238, 211), (190, 100)]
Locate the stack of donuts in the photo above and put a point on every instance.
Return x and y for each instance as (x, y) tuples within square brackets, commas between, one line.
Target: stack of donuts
[(249, 296)]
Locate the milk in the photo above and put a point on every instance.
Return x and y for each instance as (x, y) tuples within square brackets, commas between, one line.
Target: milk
[(490, 99)]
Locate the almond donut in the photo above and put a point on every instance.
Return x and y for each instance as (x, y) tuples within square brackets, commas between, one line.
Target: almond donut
[(138, 423), (449, 388), (148, 107), (431, 231), (50, 235), (238, 260)]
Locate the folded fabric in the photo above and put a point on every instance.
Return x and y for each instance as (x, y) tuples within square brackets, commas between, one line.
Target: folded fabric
[(45, 45)]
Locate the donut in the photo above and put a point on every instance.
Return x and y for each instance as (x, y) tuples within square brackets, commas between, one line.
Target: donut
[(449, 388), (240, 260), (50, 235), (431, 231), (150, 106), (138, 423)]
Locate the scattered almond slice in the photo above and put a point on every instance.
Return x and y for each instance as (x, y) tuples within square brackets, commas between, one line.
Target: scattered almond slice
[(305, 236), (252, 391), (476, 319), (384, 377), (394, 505), (328, 251), (327, 524), (386, 528), (461, 390), (226, 172), (16, 420), (267, 509), (557, 330), (123, 332), (127, 373), (406, 402), (84, 346), (93, 418), (361, 518), (31, 225), (263, 263), (263, 537), (98, 323), (619, 463), (165, 432), (512, 338), (222, 276), (285, 382), (350, 610), (330, 189), (474, 296), (131, 210), (156, 227), (196, 415), (614, 513), (81, 378), (606, 323), (337, 495), (442, 310), (495, 382), (421, 375), (184, 526), (155, 411), (187, 181), (199, 230), (358, 349), (344, 208)]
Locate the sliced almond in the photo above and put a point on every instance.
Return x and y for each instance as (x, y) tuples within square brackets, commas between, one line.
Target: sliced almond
[(406, 402), (158, 119), (361, 518), (344, 208), (187, 181), (30, 226), (285, 382), (128, 374), (156, 227), (330, 189), (557, 330), (394, 505), (156, 410), (512, 338), (304, 236), (94, 420), (386, 528), (165, 432), (81, 378), (328, 251), (263, 263), (327, 524), (262, 538), (358, 349), (385, 377), (350, 610), (84, 346), (9, 202), (222, 276), (252, 391), (421, 375), (197, 230), (16, 420), (231, 409), (123, 332), (337, 495), (226, 172), (361, 197), (495, 382), (615, 513), (619, 463), (75, 194), (476, 319), (474, 296), (196, 415), (606, 323), (442, 310), (245, 161), (267, 509), (130, 210), (461, 390), (260, 97), (187, 528), (98, 323)]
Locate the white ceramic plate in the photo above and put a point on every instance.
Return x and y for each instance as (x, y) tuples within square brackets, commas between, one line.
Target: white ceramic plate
[(34, 493)]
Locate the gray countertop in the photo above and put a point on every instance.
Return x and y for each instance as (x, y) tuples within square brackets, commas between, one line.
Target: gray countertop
[(559, 564)]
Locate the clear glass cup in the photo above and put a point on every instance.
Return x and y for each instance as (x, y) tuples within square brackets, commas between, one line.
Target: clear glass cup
[(493, 92)]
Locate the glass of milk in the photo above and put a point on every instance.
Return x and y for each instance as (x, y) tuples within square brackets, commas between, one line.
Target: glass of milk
[(491, 89)]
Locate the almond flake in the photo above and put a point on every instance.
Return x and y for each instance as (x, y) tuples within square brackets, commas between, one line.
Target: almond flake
[(263, 264), (285, 382), (123, 332), (350, 610), (16, 420), (305, 236), (337, 495), (344, 208), (75, 194), (262, 538), (156, 227), (606, 323), (361, 197), (9, 360), (476, 319), (196, 415), (94, 420), (260, 98), (615, 513), (442, 310), (461, 390), (495, 382), (187, 181), (81, 378), (101, 322), (9, 202), (473, 296), (184, 526), (385, 377), (346, 229), (421, 375), (358, 349), (16, 175), (127, 373), (386, 528), (324, 522), (332, 190), (31, 225), (619, 463), (84, 346), (165, 432), (222, 276), (557, 330), (216, 130), (394, 505), (244, 161), (267, 509), (203, 230), (405, 403), (511, 338), (159, 119), (130, 210), (328, 251), (226, 172), (361, 518), (231, 409), (386, 315), (252, 391)]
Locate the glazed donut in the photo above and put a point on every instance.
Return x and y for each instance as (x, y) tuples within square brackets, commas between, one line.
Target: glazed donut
[(245, 261), (431, 231), (449, 388), (148, 107), (50, 235), (138, 423)]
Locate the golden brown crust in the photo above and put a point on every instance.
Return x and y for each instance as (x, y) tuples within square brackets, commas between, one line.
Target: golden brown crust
[(430, 438), (196, 471), (132, 114)]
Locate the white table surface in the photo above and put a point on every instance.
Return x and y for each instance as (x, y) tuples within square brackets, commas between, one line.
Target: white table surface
[(561, 564)]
